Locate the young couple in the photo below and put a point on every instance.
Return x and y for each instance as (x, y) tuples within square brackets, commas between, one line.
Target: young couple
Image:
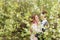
[(37, 26)]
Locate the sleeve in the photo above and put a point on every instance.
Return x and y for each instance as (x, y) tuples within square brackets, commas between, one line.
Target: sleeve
[(45, 22)]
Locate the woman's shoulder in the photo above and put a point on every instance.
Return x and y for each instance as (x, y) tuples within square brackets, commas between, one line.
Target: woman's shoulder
[(32, 25)]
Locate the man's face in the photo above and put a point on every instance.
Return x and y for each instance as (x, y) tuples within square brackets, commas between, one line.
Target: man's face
[(42, 16)]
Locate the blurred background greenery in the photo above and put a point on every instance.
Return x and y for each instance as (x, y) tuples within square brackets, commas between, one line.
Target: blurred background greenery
[(15, 18)]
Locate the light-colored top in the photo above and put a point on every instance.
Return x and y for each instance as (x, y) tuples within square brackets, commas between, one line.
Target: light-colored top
[(36, 28), (44, 23)]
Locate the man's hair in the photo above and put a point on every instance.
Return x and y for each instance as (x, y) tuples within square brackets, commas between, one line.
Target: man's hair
[(44, 12)]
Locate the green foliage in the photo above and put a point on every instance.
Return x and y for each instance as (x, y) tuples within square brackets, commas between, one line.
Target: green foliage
[(15, 18)]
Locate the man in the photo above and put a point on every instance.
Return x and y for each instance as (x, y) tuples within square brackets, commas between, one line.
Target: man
[(44, 22)]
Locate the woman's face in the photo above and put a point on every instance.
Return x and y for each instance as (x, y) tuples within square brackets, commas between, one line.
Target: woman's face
[(36, 18)]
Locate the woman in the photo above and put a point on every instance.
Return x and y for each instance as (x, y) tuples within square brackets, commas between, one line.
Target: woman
[(35, 28)]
